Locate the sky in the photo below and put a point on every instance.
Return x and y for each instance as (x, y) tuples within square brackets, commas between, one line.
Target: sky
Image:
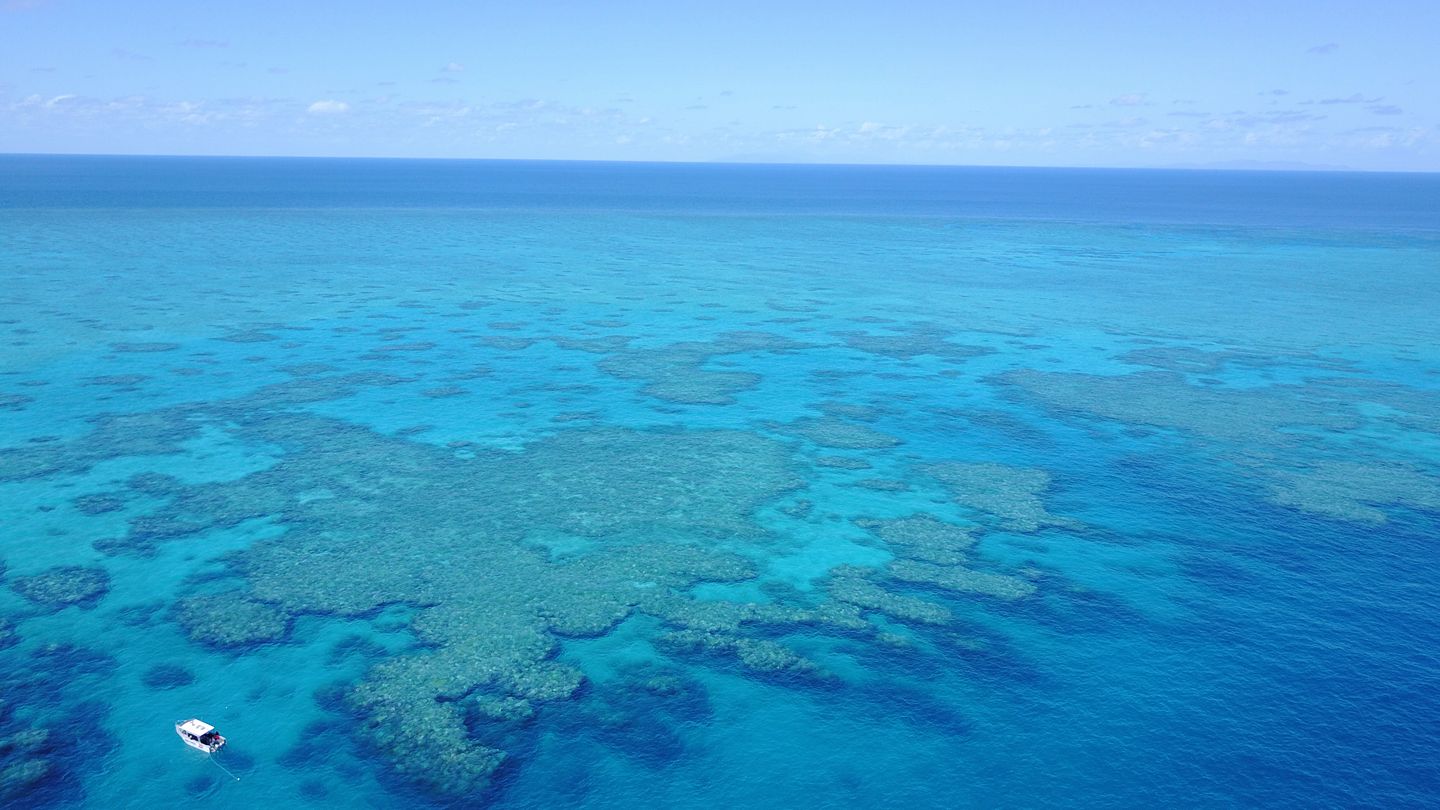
[(1323, 83)]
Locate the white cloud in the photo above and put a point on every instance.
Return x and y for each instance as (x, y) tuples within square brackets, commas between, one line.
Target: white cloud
[(1353, 98), (453, 67), (328, 107)]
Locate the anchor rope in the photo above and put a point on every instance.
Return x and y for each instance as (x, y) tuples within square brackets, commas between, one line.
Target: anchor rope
[(217, 764)]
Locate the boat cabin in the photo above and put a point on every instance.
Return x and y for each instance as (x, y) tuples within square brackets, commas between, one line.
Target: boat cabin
[(200, 735)]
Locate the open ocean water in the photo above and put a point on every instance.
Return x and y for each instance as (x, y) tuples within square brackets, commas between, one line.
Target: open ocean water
[(529, 485)]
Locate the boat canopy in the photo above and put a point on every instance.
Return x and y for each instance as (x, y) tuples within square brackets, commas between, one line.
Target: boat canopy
[(196, 728)]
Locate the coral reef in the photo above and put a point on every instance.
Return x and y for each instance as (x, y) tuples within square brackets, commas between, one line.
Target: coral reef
[(23, 763), (922, 537), (760, 655), (676, 372), (842, 462), (1166, 400), (1009, 493), (507, 343), (248, 336), (800, 509), (309, 369), (847, 410), (912, 343), (372, 521), (440, 392), (1347, 489), (388, 348), (600, 345), (734, 617), (62, 587), (1259, 427), (502, 708), (230, 620), (1200, 361), (852, 584), (448, 536), (144, 348), (1177, 358), (882, 484), (98, 504), (168, 676), (831, 431), (157, 484), (111, 436), (118, 380), (960, 580)]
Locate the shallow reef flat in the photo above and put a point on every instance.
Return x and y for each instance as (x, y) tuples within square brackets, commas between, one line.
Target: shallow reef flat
[(372, 520), (1285, 435), (677, 372)]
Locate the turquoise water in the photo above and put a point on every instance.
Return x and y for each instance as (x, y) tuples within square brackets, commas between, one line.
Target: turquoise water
[(589, 485)]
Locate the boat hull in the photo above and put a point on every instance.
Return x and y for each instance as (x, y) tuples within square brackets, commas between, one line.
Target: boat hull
[(210, 746)]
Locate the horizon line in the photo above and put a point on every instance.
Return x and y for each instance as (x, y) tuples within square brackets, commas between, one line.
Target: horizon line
[(1237, 166)]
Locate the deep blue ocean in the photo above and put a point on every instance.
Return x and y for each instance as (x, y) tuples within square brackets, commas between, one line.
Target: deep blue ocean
[(524, 485)]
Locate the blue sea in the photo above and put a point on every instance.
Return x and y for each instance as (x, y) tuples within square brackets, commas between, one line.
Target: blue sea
[(530, 485)]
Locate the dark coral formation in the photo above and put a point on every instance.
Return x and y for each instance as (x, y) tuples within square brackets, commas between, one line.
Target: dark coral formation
[(41, 763), (1166, 400), (118, 380), (923, 537), (449, 535), (248, 336), (882, 484), (911, 343), (932, 555), (24, 763), (837, 433), (1191, 360), (168, 676), (98, 504), (443, 391), (677, 373), (507, 343), (842, 462), (1012, 494), (856, 586), (62, 587), (1351, 490), (165, 431), (598, 345), (1258, 427), (960, 580), (761, 655), (230, 620), (111, 436), (465, 543), (144, 348)]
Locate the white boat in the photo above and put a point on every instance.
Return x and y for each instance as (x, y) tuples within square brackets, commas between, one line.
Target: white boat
[(200, 735)]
